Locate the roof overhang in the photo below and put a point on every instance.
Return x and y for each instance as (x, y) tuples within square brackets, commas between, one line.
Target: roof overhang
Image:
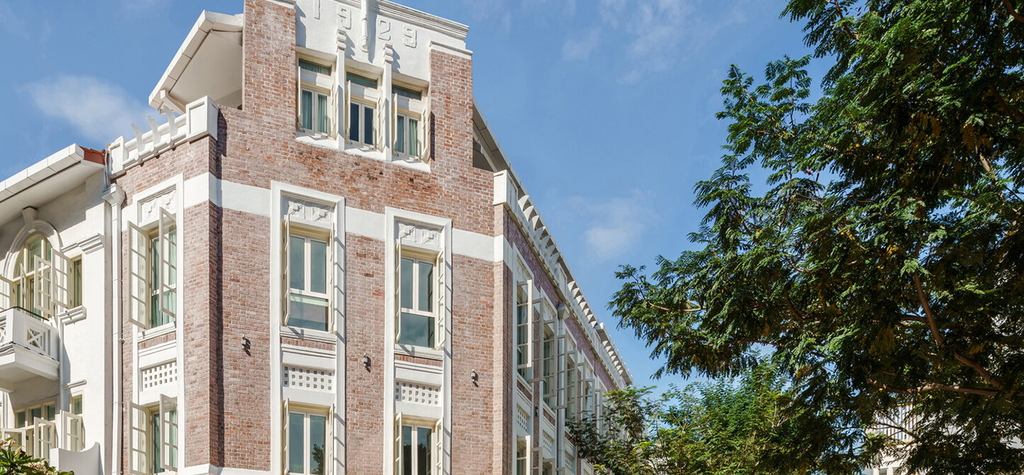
[(208, 63), (48, 179)]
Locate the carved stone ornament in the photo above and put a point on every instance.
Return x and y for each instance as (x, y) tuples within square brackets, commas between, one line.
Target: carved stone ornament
[(410, 37), (308, 211), (419, 236), (149, 209), (345, 18)]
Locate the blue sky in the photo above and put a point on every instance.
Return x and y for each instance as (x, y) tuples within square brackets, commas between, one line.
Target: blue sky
[(604, 107)]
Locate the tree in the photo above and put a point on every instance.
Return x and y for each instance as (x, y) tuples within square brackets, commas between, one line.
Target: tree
[(882, 261), (14, 461), (726, 427)]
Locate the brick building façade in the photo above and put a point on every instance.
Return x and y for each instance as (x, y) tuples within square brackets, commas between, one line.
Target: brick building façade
[(319, 262)]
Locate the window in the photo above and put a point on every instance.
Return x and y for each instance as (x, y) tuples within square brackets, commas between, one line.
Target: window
[(75, 297), (154, 437), (407, 92), (570, 387), (308, 303), (41, 282), (306, 443), (314, 97), (361, 113), (35, 429), (522, 458), (407, 135), (74, 430), (418, 448), (153, 273), (548, 367), (524, 329), (418, 323)]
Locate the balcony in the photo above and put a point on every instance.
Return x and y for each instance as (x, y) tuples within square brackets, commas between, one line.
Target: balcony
[(28, 348)]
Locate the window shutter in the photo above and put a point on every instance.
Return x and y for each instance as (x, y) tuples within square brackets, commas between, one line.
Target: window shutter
[(425, 122), (529, 319), (7, 288), (42, 285), (138, 276), (347, 112), (332, 270), (168, 427), (398, 288), (285, 438), (60, 273), (44, 437), (439, 447), (74, 431), (442, 287), (329, 450), (561, 371), (393, 112), (168, 267), (286, 254), (298, 95), (382, 118), (139, 439), (398, 444)]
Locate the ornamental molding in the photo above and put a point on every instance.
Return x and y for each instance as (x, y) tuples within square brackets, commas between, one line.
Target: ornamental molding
[(417, 235), (149, 208), (308, 211)]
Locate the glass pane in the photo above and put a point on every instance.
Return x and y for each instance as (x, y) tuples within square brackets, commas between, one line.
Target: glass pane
[(19, 419), (406, 283), (51, 412), (35, 412), (296, 436), (318, 267), (426, 290), (407, 450), (414, 142), (400, 135), (406, 92), (154, 268), (172, 257), (423, 449), (154, 423), (368, 125), (361, 80), (307, 110), (307, 312), (314, 67), (417, 330), (172, 438), (317, 442), (297, 263), (322, 115), (353, 122)]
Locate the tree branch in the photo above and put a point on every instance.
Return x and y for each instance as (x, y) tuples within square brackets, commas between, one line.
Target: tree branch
[(933, 387), (1013, 11)]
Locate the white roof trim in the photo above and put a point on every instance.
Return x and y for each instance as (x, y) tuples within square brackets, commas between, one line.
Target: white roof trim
[(207, 22), (43, 169)]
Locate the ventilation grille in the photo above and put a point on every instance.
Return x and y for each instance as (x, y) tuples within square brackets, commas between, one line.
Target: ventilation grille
[(417, 393), (159, 375), (305, 378), (523, 419)]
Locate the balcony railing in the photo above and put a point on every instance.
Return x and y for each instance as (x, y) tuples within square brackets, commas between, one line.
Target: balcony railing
[(28, 348)]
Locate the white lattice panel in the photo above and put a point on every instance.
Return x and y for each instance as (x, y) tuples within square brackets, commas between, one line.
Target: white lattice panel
[(159, 375), (305, 378), (523, 419), (548, 442), (417, 393)]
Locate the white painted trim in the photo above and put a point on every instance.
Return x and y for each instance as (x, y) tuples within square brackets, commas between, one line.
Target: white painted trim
[(278, 191), (460, 52)]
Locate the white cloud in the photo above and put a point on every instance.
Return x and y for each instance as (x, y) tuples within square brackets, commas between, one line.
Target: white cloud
[(616, 224), (579, 49), (99, 110)]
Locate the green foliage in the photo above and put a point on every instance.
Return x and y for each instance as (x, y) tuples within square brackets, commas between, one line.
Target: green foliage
[(728, 427), (882, 262), (14, 461)]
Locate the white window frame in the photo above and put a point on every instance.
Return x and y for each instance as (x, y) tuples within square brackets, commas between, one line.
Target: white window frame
[(436, 450), (141, 436), (362, 106), (403, 117), (307, 234), (524, 370), (141, 268), (306, 412), (416, 109), (317, 84), (437, 302)]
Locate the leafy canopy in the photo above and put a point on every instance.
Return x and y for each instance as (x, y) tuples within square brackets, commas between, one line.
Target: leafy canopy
[(883, 263)]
